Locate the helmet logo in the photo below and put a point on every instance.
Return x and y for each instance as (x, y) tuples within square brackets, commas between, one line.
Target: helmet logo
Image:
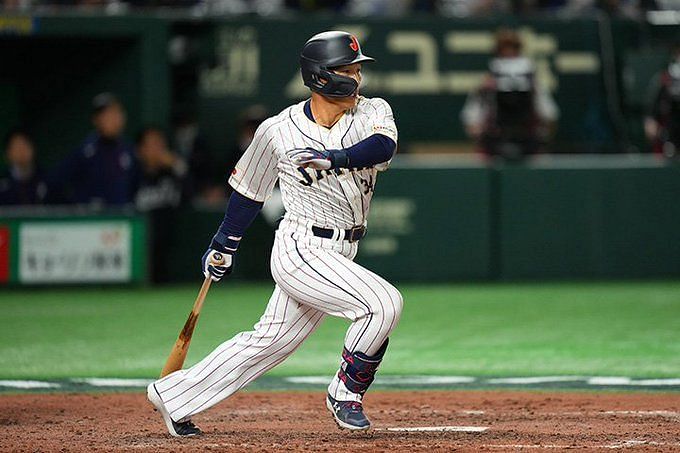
[(354, 45)]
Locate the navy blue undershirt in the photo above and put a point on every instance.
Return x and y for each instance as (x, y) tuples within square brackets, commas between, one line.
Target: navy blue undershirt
[(240, 213), (307, 108)]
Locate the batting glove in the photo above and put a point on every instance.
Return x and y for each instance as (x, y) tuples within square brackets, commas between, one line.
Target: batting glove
[(312, 158), (216, 264)]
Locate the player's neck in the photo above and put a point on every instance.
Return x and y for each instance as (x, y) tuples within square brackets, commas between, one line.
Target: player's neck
[(328, 111)]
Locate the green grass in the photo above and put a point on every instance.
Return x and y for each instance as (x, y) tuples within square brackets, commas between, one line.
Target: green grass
[(630, 329)]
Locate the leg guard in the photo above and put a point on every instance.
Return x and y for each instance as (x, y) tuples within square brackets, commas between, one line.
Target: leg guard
[(357, 371)]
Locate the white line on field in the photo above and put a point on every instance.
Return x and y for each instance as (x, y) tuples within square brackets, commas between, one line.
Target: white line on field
[(390, 380), (636, 443), (609, 380), (458, 429), (29, 384), (622, 380), (535, 379), (395, 380), (656, 382), (321, 380), (113, 382)]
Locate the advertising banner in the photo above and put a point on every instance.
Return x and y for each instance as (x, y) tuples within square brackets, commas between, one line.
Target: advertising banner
[(75, 252)]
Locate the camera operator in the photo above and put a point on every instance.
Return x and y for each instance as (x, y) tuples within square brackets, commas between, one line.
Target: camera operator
[(510, 116), (662, 123)]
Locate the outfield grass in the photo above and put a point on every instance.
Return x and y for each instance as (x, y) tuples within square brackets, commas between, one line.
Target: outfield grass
[(630, 329)]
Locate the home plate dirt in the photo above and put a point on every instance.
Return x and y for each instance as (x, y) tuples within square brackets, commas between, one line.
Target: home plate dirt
[(403, 421)]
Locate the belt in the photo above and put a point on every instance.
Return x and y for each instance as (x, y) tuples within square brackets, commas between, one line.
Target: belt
[(351, 235)]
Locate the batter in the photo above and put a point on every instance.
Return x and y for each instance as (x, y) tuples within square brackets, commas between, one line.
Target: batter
[(325, 153)]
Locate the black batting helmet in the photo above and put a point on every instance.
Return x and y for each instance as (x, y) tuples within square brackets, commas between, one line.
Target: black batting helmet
[(325, 51)]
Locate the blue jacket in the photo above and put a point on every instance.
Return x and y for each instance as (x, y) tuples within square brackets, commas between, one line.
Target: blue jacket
[(100, 171), (16, 191)]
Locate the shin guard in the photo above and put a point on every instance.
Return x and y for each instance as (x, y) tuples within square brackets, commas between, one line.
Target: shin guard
[(357, 371)]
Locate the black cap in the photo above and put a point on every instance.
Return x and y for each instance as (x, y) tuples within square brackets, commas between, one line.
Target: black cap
[(102, 101)]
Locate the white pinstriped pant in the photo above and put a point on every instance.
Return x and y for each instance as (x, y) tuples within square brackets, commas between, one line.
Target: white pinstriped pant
[(314, 277)]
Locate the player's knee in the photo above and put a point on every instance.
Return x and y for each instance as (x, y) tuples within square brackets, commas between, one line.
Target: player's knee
[(395, 305), (388, 307), (398, 300)]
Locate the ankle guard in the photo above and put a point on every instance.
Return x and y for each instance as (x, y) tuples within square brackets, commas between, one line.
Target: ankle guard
[(357, 371)]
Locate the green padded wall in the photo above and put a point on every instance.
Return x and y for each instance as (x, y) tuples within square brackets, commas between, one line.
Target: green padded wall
[(589, 223)]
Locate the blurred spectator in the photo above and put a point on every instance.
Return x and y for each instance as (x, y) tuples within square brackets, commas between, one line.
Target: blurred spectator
[(378, 7), (163, 3), (159, 193), (466, 8), (161, 172), (317, 5), (248, 121), (613, 8), (17, 5), (101, 171), (23, 183), (261, 7), (510, 115), (204, 180), (662, 122)]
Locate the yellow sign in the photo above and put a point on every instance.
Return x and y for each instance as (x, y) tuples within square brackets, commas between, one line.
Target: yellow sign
[(17, 25)]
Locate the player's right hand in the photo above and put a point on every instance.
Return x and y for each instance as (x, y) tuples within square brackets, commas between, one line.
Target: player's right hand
[(310, 157), (216, 264)]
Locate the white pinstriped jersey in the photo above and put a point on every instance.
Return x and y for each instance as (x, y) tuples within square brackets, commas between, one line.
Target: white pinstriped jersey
[(330, 199), (314, 276)]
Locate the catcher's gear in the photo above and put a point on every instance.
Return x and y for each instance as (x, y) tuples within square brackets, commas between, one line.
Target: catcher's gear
[(216, 264), (324, 52)]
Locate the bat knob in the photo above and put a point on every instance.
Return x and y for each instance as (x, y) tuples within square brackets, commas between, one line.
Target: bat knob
[(217, 259)]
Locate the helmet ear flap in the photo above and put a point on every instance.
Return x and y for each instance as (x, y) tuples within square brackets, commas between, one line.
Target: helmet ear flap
[(318, 82), (336, 86)]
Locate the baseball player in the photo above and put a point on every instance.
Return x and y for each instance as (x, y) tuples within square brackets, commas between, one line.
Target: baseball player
[(325, 153)]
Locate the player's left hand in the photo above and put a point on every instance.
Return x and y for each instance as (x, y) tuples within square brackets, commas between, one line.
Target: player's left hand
[(216, 264), (310, 157)]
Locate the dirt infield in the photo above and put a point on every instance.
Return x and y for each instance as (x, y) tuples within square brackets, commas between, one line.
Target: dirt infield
[(298, 421)]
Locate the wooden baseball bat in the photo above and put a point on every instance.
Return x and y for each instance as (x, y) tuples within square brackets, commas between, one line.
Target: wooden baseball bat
[(179, 350)]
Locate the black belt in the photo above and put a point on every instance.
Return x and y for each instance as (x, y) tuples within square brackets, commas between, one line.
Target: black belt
[(351, 235)]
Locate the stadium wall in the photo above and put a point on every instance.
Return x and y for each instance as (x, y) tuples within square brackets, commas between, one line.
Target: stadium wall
[(607, 217)]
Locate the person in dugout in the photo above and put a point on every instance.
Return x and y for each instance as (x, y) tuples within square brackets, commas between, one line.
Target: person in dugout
[(160, 191), (662, 121), (102, 170), (23, 182), (510, 115)]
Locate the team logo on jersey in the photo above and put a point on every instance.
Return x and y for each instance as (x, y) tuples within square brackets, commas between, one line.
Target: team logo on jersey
[(354, 45)]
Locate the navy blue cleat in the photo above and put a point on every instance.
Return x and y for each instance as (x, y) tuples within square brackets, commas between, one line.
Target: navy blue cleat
[(176, 429), (348, 414)]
